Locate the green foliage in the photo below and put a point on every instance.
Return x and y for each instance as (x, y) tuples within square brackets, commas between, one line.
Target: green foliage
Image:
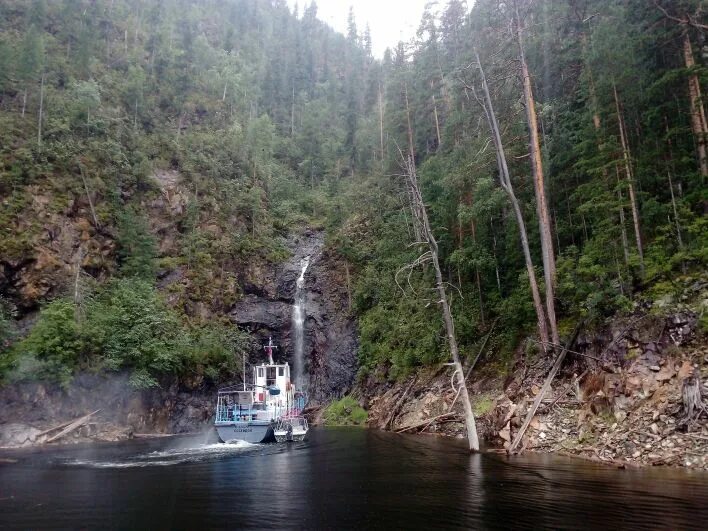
[(345, 412), (254, 122), (7, 327), (135, 328), (124, 326), (54, 347), (137, 247)]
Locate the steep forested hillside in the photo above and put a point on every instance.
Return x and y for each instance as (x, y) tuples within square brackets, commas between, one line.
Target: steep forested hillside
[(153, 152), (158, 144)]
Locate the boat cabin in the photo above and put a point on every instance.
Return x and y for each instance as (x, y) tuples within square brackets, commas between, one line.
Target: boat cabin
[(270, 380)]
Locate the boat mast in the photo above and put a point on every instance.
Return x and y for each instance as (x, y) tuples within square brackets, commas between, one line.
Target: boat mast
[(269, 350), (244, 371)]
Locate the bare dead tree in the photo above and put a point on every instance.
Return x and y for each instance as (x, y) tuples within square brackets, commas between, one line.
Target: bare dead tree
[(544, 222), (41, 113), (626, 155), (426, 238), (431, 255), (505, 182), (88, 196)]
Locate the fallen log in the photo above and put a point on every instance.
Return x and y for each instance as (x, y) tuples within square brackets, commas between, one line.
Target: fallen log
[(71, 427), (427, 422), (542, 392), (399, 405), (54, 428)]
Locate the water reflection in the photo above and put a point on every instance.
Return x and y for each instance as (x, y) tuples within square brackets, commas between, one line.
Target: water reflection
[(339, 479)]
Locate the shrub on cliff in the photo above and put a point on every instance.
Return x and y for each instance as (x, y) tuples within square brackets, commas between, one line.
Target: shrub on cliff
[(345, 412), (124, 326), (53, 348)]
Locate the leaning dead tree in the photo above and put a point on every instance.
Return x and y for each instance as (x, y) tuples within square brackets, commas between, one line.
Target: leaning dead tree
[(505, 181), (427, 239), (544, 221)]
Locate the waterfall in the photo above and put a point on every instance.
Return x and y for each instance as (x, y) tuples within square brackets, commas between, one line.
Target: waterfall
[(299, 323)]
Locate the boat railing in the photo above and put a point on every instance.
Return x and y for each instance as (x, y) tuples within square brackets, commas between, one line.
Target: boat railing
[(234, 414)]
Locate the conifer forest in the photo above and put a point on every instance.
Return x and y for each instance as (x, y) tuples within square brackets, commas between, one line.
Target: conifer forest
[(506, 186)]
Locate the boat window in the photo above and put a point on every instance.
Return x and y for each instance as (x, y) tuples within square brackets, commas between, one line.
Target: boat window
[(260, 372), (270, 376), (281, 371)]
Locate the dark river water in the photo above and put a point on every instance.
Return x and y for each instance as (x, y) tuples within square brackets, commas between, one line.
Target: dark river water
[(338, 479)]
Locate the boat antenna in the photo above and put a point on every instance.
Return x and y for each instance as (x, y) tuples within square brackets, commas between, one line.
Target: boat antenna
[(244, 370), (269, 349)]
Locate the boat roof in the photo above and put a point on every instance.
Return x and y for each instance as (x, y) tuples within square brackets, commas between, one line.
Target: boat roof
[(234, 389)]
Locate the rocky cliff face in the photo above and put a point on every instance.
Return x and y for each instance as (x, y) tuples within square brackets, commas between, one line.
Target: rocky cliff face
[(330, 336)]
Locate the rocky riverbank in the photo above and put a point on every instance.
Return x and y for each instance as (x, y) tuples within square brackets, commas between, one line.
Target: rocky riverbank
[(623, 397), (31, 409)]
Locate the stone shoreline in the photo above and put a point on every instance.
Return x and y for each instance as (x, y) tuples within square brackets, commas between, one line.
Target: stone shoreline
[(618, 405)]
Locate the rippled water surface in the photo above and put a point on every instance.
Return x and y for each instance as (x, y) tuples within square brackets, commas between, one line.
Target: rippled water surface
[(338, 479)]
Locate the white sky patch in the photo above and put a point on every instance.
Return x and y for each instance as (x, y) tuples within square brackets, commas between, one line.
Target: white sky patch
[(390, 21)]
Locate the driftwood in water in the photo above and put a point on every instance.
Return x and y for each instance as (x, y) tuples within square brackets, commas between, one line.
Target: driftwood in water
[(543, 391), (399, 405), (71, 427)]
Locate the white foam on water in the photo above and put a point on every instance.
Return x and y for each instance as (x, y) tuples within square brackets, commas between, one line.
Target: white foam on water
[(171, 456)]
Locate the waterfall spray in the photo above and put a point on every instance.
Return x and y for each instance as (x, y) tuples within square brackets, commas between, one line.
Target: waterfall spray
[(298, 319)]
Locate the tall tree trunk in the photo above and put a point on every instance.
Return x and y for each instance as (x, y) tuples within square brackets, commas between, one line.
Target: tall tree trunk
[(676, 218), (630, 181), (429, 239), (88, 196), (478, 276), (424, 234), (623, 227), (549, 259), (24, 102), (494, 252), (292, 114), (698, 114), (77, 286), (506, 184), (437, 122), (41, 112), (671, 189), (416, 226), (381, 120)]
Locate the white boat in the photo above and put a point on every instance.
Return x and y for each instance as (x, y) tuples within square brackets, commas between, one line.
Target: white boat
[(291, 429), (268, 409)]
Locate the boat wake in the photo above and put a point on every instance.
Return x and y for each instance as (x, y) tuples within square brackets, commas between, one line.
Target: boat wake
[(171, 456)]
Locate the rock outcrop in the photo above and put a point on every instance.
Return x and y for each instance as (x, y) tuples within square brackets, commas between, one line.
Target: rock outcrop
[(618, 399), (330, 339)]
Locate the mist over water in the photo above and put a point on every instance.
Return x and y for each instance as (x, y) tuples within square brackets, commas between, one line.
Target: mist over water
[(298, 324), (168, 456)]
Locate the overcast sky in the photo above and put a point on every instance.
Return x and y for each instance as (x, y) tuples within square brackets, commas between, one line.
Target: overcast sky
[(390, 21)]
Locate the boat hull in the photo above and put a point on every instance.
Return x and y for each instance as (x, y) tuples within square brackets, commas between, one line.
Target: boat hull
[(248, 432)]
